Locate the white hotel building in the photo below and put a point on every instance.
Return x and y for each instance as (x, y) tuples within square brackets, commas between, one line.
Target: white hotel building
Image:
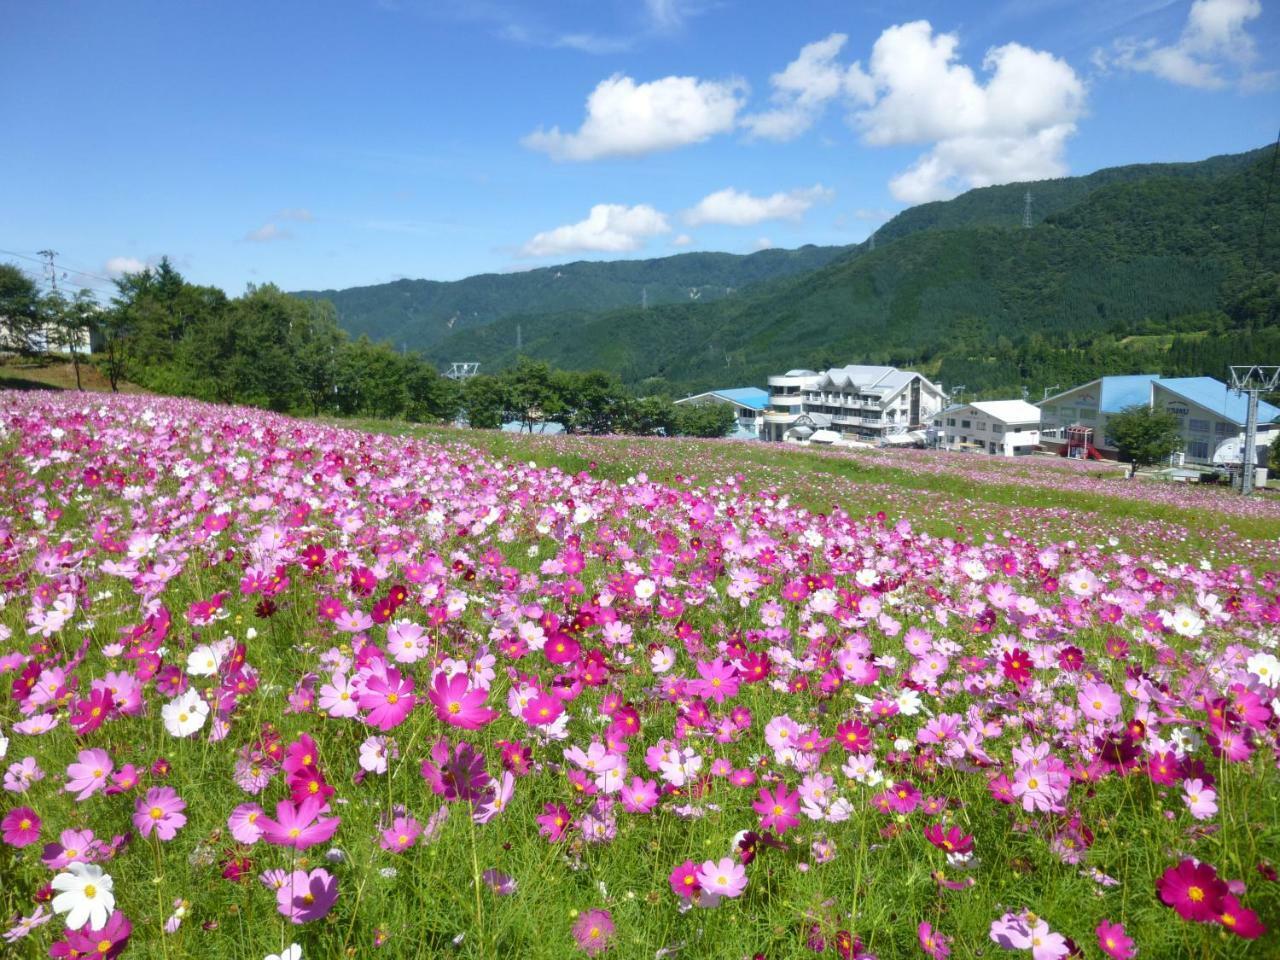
[(853, 403)]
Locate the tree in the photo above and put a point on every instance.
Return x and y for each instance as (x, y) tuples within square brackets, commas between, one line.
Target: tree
[(71, 323), (704, 419), (1275, 453), (647, 416), (1144, 436), (531, 393), (19, 311), (483, 402), (591, 400)]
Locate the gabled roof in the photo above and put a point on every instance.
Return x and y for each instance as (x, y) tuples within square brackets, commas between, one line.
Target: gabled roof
[(1215, 396), (752, 397), (1115, 393), (1120, 392), (1009, 411)]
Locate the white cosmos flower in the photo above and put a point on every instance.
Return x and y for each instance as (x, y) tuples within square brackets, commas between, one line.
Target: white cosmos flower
[(84, 895), (203, 661), (645, 589), (291, 952), (185, 715), (1264, 666)]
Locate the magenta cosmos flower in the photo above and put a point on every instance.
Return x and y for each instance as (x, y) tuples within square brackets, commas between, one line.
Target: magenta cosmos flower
[(21, 827), (594, 931), (1193, 889), (932, 942), (1114, 942), (457, 704), (297, 825), (103, 944), (777, 809), (304, 897), (388, 699), (160, 812), (89, 773)]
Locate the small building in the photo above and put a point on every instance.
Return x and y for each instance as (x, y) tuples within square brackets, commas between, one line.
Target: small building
[(749, 405), (1007, 428), (859, 403), (1209, 414)]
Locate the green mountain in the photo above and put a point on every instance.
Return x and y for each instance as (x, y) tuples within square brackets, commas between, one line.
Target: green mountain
[(417, 314), (1127, 268)]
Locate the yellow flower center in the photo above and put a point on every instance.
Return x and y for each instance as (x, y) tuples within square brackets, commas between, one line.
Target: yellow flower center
[(156, 813), (90, 891), (1195, 893), (392, 697)]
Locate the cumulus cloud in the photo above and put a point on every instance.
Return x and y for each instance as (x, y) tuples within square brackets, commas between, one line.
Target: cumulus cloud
[(802, 90), (1213, 39), (608, 228), (266, 233), (118, 266), (914, 91), (737, 209), (681, 240), (625, 118)]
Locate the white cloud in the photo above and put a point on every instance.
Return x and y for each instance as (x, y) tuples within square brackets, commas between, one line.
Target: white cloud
[(608, 228), (1213, 38), (763, 243), (118, 266), (297, 214), (802, 90), (266, 233), (625, 118), (737, 209), (915, 91), (681, 240)]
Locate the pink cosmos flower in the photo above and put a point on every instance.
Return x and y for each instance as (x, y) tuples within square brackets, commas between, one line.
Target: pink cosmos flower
[(1114, 942), (20, 827), (304, 897), (388, 699), (594, 931), (89, 773), (298, 825), (719, 680), (933, 943), (554, 821), (401, 835), (457, 704), (542, 710), (640, 795), (1098, 702), (245, 823), (951, 840), (723, 878), (160, 812), (777, 808), (1236, 919)]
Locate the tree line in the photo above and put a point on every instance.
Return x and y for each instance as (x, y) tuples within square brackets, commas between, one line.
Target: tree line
[(268, 349)]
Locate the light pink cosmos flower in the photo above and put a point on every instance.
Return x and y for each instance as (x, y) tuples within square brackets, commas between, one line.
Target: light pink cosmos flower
[(457, 704), (160, 812), (338, 697), (1099, 702), (89, 773), (1202, 801), (723, 878)]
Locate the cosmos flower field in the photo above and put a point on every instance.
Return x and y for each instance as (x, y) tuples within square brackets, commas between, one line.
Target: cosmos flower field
[(275, 688)]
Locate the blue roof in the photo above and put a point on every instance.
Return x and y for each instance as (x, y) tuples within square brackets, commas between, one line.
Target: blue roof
[(1116, 393), (752, 397), (1214, 395)]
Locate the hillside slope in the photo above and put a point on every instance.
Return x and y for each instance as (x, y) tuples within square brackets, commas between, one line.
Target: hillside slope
[(1133, 256), (417, 314)]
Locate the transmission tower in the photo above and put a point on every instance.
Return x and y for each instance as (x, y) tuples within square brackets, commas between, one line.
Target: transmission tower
[(462, 371), (644, 298), (1249, 381), (1026, 211)]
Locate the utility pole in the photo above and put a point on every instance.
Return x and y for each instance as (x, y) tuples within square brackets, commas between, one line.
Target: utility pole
[(1249, 381), (49, 268), (1056, 386)]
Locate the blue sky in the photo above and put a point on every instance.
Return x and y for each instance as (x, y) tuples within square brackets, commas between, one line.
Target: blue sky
[(333, 144)]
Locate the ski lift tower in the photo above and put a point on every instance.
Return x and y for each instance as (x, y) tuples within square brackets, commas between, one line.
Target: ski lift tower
[(462, 371), (1249, 381)]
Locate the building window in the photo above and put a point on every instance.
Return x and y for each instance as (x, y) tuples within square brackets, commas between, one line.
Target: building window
[(982, 426), (996, 428), (1199, 426), (965, 423), (1221, 428), (1198, 450), (951, 421)]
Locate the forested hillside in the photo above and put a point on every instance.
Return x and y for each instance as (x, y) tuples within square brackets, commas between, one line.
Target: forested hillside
[(1164, 271), (416, 314)]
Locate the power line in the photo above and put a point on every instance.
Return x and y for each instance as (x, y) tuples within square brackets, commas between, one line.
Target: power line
[(44, 262)]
